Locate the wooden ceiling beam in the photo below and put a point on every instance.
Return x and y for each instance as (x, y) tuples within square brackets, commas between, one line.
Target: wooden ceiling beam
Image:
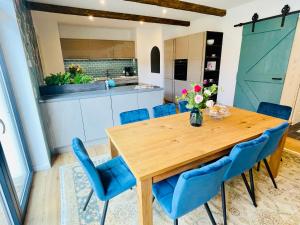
[(187, 6), (36, 6)]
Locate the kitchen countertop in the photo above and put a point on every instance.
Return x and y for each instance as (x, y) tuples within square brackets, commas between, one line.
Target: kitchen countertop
[(91, 94)]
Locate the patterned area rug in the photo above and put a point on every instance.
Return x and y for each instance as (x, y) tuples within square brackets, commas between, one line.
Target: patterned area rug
[(275, 207)]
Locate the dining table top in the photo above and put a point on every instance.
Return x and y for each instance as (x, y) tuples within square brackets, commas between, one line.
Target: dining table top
[(156, 146)]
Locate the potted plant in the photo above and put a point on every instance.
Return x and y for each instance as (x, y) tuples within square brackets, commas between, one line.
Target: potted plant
[(198, 98)]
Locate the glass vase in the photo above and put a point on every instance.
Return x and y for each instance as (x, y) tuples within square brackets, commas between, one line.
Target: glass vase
[(196, 117)]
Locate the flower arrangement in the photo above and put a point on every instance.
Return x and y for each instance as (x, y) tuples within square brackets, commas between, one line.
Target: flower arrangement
[(75, 69), (198, 97)]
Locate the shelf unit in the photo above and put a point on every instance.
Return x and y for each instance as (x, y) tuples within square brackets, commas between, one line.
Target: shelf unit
[(212, 54)]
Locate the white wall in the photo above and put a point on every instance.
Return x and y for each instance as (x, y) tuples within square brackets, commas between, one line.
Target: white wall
[(146, 39), (232, 37), (101, 33), (25, 93), (49, 43)]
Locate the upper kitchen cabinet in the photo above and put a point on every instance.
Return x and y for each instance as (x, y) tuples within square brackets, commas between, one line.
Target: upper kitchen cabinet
[(182, 47), (197, 46), (124, 49), (75, 48), (101, 49), (169, 58), (97, 49)]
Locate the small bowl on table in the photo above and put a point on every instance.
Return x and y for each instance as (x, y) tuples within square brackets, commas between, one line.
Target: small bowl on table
[(218, 111)]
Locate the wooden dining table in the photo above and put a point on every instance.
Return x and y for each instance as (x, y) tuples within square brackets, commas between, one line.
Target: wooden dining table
[(159, 148)]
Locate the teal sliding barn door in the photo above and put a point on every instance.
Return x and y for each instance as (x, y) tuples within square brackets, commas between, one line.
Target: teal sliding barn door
[(263, 63)]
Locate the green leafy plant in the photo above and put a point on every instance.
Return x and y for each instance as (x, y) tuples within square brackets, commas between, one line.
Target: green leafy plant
[(67, 78)]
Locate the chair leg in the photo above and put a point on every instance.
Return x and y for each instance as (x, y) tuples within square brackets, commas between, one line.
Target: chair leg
[(88, 199), (258, 166), (153, 199), (270, 173), (248, 189), (211, 217), (252, 184), (176, 222), (224, 203), (104, 213)]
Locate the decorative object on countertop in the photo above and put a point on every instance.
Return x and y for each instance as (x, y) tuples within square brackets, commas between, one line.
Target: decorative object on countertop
[(74, 69), (68, 78), (198, 98)]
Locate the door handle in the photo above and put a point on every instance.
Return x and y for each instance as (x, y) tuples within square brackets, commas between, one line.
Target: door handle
[(276, 78), (3, 126)]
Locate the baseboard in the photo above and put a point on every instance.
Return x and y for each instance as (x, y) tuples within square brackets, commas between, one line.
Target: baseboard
[(41, 167)]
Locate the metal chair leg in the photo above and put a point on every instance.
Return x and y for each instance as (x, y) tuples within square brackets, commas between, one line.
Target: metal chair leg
[(211, 217), (248, 189), (176, 222), (88, 199), (270, 173), (153, 199), (224, 203), (104, 213), (252, 184), (258, 166)]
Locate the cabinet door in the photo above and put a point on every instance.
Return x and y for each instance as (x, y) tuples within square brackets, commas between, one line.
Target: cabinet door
[(124, 49), (179, 85), (75, 48), (122, 103), (169, 90), (65, 122), (195, 70), (101, 49), (169, 59), (182, 48), (197, 43), (150, 99), (96, 116)]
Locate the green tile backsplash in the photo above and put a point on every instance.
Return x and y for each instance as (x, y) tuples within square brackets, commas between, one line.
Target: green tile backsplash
[(98, 68)]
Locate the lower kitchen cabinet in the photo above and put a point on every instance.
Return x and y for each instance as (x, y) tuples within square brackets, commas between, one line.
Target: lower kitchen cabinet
[(150, 99), (96, 116), (64, 122), (122, 103)]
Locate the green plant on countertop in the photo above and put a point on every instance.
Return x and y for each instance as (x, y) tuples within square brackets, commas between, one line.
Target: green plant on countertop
[(67, 78)]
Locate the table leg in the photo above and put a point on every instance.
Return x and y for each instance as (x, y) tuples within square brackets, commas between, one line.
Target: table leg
[(113, 149), (144, 191), (275, 159)]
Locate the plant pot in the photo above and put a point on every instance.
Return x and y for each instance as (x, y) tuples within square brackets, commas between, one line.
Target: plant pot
[(196, 117)]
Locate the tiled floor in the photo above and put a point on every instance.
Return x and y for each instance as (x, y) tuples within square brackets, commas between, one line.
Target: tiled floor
[(294, 131)]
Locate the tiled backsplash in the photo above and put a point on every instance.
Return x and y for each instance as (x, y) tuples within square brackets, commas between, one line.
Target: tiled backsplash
[(99, 67)]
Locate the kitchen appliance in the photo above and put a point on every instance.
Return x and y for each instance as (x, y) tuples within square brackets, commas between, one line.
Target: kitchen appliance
[(180, 70), (128, 71)]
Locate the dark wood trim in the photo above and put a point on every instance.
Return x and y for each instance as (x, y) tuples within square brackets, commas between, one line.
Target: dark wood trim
[(36, 6), (187, 6)]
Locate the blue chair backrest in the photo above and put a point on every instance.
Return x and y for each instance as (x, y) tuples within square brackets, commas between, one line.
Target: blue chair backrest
[(275, 110), (164, 110), (88, 166), (134, 116), (275, 134), (244, 156), (198, 186), (182, 106)]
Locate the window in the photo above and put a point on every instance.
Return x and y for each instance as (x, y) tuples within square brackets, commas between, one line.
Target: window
[(155, 60)]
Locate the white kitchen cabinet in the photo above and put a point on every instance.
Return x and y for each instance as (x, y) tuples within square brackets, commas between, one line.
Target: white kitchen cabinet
[(150, 99), (122, 103), (64, 122), (169, 90), (96, 116), (179, 85)]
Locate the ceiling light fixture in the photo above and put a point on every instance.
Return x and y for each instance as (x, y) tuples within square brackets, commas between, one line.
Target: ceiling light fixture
[(141, 22), (164, 11), (102, 2)]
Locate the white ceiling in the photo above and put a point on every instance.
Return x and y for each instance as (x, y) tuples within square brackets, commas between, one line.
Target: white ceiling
[(133, 8)]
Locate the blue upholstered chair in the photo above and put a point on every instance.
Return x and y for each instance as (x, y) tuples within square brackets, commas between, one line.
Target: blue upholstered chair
[(275, 110), (107, 180), (243, 157), (164, 110), (182, 106), (183, 193), (134, 116), (275, 135)]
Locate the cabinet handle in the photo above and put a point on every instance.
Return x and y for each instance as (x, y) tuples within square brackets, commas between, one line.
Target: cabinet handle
[(3, 125), (276, 78)]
